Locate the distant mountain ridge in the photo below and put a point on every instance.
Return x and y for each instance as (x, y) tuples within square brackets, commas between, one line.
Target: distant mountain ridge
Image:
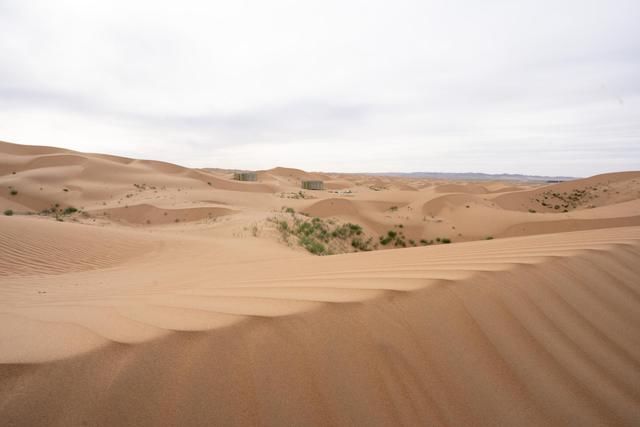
[(463, 176)]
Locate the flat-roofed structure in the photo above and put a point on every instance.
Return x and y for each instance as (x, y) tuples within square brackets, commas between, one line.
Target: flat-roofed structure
[(245, 176), (313, 185)]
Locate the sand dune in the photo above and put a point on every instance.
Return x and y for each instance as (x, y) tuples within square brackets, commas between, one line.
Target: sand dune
[(482, 333), (148, 214), (34, 247), (167, 296), (599, 190), (461, 188)]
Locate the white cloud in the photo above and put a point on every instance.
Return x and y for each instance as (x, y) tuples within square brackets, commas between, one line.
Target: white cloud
[(531, 86)]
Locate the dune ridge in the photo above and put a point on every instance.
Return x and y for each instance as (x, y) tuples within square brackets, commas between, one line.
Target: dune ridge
[(139, 292), (478, 333), (29, 247), (151, 193)]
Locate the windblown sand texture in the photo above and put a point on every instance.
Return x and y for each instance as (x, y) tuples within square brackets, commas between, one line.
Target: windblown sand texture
[(168, 300)]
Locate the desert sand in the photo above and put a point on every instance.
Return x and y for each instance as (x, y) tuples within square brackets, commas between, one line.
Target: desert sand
[(137, 292)]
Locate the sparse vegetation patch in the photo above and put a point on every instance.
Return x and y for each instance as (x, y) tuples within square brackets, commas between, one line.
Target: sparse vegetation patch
[(321, 236), (299, 195), (58, 213), (568, 200)]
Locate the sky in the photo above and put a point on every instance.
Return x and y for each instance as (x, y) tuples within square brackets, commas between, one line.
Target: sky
[(534, 87)]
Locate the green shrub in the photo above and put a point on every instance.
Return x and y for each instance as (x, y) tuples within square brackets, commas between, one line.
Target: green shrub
[(312, 245), (69, 210), (355, 229), (360, 244), (385, 240)]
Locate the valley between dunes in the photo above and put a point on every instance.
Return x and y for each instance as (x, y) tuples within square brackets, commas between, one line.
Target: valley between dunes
[(136, 292)]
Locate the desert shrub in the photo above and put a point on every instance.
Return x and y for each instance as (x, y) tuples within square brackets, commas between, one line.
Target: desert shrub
[(312, 245), (8, 212), (307, 228), (532, 211), (385, 240), (393, 208), (489, 238), (13, 192), (357, 243), (320, 236), (355, 228), (69, 210), (445, 240), (341, 232)]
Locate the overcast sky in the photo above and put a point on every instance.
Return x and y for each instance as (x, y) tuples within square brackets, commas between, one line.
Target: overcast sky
[(537, 87)]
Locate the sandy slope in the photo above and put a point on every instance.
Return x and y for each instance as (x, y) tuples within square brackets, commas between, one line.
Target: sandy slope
[(147, 193), (527, 331), (168, 302)]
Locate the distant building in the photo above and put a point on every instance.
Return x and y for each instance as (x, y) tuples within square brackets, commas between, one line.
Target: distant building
[(313, 185), (245, 176)]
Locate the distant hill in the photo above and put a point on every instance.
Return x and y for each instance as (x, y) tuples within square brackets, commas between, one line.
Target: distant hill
[(460, 176), (465, 176)]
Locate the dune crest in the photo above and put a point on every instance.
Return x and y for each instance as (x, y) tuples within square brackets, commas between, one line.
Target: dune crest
[(432, 339), (136, 292)]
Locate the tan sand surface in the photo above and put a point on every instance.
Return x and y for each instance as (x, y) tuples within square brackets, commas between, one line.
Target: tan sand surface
[(171, 298)]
